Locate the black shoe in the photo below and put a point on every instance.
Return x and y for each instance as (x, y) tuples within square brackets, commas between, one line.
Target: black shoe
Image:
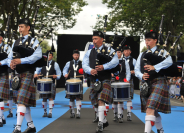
[(105, 124), (99, 128), (44, 115), (72, 115), (1, 124), (129, 118), (30, 130), (120, 120), (115, 118), (77, 116), (96, 120), (160, 130), (16, 131), (50, 115), (4, 121), (10, 115)]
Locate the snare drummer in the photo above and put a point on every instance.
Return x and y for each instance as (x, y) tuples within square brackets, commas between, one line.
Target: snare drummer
[(132, 62), (4, 81), (71, 70), (52, 69), (98, 99), (158, 100), (124, 73)]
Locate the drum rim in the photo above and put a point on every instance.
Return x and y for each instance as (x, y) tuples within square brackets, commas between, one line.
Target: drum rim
[(45, 82)]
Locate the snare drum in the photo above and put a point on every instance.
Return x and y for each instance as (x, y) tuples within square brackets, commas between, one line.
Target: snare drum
[(74, 87), (44, 86), (121, 91)]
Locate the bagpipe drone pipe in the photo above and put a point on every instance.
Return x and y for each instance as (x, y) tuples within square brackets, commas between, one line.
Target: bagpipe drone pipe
[(104, 56)]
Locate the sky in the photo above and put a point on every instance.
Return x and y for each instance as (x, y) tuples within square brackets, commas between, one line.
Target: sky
[(87, 18)]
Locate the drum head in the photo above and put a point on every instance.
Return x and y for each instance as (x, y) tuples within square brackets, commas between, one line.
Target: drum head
[(73, 80), (45, 80)]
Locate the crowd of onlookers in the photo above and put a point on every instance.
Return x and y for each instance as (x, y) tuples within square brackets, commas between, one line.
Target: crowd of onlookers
[(175, 90)]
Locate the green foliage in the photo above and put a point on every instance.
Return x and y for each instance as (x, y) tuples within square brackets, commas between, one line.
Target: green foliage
[(135, 17), (53, 13), (45, 46), (144, 49)]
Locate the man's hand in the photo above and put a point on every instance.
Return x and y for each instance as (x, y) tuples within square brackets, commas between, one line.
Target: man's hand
[(93, 72), (132, 72), (12, 65), (145, 76), (54, 76), (99, 68), (36, 76), (149, 67), (112, 75), (66, 76)]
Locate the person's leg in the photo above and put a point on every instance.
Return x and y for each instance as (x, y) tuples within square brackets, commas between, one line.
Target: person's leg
[(120, 112), (10, 105), (21, 110), (44, 105), (78, 104), (129, 107), (158, 123), (71, 105), (51, 105), (149, 120), (31, 128)]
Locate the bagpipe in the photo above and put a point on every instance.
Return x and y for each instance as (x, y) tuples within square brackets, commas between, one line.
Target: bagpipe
[(21, 51), (156, 58), (105, 56)]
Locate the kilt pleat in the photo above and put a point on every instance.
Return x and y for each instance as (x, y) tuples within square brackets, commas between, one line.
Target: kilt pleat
[(4, 87), (26, 94), (106, 95), (159, 99)]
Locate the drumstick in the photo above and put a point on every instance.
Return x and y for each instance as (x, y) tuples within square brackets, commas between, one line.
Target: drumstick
[(50, 75), (40, 75), (80, 76)]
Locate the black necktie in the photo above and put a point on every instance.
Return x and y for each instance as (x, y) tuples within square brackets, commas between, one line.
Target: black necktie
[(48, 64), (22, 38), (75, 63)]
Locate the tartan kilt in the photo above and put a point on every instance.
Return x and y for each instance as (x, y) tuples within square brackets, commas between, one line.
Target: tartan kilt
[(159, 99), (80, 96), (26, 94), (4, 87), (106, 95), (51, 95)]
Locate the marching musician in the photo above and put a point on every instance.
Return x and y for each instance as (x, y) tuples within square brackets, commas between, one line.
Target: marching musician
[(132, 62), (4, 81), (52, 69), (101, 73), (72, 69), (158, 100), (26, 95), (124, 73)]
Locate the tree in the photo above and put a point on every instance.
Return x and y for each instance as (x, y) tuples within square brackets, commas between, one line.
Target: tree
[(53, 13), (144, 49), (45, 46)]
